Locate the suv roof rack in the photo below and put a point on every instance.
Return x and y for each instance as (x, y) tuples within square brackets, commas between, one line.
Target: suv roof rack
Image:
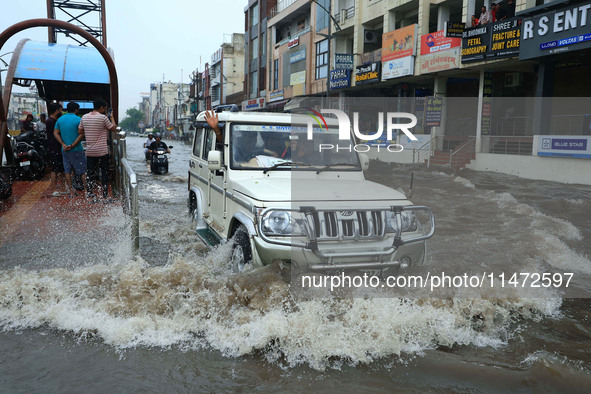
[(229, 107)]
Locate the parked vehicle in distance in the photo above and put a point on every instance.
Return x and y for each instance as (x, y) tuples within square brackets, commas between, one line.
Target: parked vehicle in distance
[(275, 196)]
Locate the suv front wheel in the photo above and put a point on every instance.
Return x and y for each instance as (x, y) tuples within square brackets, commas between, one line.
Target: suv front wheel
[(241, 252)]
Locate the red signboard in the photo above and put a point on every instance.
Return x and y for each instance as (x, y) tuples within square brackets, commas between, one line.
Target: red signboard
[(437, 41)]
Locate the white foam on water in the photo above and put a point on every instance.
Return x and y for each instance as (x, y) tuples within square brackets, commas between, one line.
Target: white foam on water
[(464, 181), (196, 305)]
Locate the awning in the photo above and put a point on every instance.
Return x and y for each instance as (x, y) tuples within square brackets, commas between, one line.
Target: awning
[(63, 71)]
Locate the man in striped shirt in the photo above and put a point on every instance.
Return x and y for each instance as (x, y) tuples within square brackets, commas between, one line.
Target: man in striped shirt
[(96, 127)]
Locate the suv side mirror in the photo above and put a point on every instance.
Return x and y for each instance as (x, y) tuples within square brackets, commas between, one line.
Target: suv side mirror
[(364, 161), (214, 160)]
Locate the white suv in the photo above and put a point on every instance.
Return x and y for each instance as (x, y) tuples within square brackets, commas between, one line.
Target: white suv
[(279, 196)]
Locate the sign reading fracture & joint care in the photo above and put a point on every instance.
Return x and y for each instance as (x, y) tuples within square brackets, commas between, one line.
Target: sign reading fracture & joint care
[(562, 30)]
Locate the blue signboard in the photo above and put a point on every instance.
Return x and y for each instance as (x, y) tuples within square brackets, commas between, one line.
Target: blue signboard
[(340, 79), (565, 146), (297, 56)]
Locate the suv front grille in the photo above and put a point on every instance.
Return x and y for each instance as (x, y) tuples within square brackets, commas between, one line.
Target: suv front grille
[(349, 224)]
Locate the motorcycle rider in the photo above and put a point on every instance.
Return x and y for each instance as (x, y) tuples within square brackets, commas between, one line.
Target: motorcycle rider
[(158, 143), (147, 144)]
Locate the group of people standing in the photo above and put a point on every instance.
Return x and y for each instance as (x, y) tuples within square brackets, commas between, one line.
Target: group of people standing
[(498, 12), (66, 154)]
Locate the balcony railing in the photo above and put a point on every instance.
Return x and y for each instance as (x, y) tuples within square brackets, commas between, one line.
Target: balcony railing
[(344, 14), (281, 6)]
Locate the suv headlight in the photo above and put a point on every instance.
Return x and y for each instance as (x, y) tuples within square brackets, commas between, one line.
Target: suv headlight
[(281, 223), (409, 221)]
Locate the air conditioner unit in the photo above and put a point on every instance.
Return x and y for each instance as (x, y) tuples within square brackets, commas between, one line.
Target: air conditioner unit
[(512, 79), (370, 37)]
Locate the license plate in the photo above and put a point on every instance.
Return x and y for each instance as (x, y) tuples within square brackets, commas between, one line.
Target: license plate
[(25, 163), (160, 156), (373, 272)]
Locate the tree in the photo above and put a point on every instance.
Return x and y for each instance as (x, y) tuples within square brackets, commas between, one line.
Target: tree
[(133, 116)]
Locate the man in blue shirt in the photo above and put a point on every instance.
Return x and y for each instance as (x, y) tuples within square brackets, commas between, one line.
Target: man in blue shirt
[(67, 134)]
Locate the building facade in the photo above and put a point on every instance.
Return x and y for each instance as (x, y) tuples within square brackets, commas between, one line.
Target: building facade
[(490, 78)]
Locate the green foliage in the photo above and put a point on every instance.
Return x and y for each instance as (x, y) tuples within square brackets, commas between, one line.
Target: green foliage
[(131, 120)]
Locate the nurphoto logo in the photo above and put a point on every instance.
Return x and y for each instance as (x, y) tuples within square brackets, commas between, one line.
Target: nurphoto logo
[(402, 121)]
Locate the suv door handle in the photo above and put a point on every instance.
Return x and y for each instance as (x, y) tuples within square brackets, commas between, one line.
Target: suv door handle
[(200, 165)]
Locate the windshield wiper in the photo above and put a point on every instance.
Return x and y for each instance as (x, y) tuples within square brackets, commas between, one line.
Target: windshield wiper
[(335, 165), (285, 163)]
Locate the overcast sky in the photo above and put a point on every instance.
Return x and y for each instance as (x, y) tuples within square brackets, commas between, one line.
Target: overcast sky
[(149, 38)]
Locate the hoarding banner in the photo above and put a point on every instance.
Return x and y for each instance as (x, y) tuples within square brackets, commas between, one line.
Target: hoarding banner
[(340, 79), (399, 43), (440, 61), (251, 105), (398, 68), (368, 73), (437, 41), (565, 29)]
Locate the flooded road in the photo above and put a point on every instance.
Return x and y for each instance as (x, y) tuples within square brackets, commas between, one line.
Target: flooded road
[(175, 319)]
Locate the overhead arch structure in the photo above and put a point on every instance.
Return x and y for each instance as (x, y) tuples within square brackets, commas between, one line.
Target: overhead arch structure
[(47, 64)]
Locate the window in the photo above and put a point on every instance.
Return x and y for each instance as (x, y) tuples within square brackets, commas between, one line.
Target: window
[(253, 83), (209, 143), (254, 48), (197, 142), (276, 74), (322, 15), (322, 59), (254, 15)]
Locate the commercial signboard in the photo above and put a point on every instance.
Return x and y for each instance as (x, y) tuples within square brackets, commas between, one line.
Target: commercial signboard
[(368, 73), (398, 67), (297, 78), (254, 104), (475, 42), (399, 43), (440, 61), (493, 40), (297, 56), (343, 61), (437, 41), (340, 79), (433, 110), (565, 29), (505, 37), (454, 29), (565, 146), (276, 95), (294, 42)]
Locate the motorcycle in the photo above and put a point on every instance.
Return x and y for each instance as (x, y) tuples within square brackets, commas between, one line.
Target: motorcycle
[(5, 186), (29, 155), (159, 163)]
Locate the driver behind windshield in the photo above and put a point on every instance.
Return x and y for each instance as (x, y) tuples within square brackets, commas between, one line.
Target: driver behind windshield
[(277, 144), (245, 146), (158, 144)]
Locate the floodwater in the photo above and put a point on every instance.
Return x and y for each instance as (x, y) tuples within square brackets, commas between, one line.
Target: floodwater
[(177, 320)]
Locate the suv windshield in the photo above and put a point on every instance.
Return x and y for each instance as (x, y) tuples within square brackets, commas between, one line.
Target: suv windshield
[(262, 146)]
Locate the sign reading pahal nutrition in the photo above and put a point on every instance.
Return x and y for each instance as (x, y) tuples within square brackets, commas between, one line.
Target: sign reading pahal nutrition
[(563, 30), (340, 79), (343, 61), (475, 42), (368, 73)]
